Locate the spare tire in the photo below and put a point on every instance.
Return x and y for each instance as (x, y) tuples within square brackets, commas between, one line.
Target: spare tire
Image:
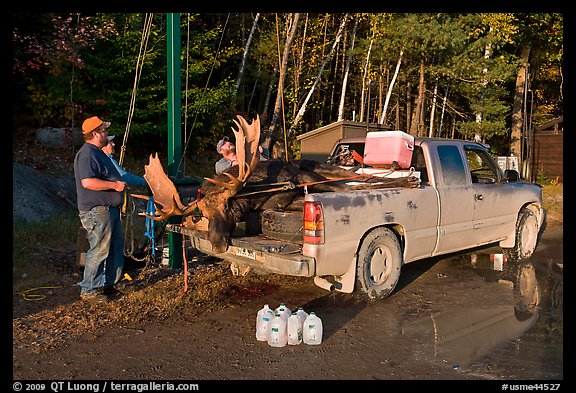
[(283, 225)]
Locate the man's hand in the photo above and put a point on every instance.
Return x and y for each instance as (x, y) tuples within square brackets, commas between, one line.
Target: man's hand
[(119, 186)]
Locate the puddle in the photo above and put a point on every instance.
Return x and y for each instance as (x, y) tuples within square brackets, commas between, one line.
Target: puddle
[(519, 331)]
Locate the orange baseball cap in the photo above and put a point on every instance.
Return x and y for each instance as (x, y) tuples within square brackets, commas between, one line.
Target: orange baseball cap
[(92, 123)]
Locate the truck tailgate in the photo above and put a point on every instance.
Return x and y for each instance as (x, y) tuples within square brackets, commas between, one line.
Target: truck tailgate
[(275, 256)]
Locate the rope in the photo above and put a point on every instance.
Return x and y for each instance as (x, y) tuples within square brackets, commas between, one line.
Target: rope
[(35, 297), (330, 180), (138, 74), (185, 266)]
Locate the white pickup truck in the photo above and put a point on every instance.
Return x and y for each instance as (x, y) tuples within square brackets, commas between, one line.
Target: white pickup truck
[(359, 240)]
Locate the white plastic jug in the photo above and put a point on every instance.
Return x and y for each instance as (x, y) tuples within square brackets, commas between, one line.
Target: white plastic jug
[(312, 329), (277, 332), (283, 311), (294, 330), (264, 316), (302, 315)]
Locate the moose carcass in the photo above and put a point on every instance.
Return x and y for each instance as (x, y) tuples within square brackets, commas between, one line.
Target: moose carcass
[(253, 185)]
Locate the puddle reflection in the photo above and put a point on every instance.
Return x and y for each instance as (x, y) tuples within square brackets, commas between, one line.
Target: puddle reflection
[(531, 311)]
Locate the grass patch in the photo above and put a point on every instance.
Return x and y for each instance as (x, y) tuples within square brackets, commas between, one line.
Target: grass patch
[(29, 239)]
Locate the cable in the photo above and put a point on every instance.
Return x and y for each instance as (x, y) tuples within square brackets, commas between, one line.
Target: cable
[(35, 297), (139, 66)]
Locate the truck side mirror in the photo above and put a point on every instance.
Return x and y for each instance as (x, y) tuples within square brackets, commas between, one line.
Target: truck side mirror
[(511, 175)]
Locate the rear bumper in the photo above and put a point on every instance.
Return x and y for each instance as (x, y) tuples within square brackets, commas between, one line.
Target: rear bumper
[(274, 256)]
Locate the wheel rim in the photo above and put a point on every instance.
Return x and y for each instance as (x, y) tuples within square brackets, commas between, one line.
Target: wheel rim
[(379, 269), (529, 236)]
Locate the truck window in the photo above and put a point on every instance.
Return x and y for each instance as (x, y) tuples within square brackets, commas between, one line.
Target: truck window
[(343, 154), (453, 171), (419, 163), (480, 169)]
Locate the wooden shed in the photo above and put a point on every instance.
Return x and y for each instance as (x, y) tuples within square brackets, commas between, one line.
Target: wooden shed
[(547, 150), (316, 144)]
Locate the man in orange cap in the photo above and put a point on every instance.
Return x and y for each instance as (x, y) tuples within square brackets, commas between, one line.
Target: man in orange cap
[(99, 189)]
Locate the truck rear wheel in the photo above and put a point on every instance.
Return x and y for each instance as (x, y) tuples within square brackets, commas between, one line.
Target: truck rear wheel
[(379, 263), (527, 234)]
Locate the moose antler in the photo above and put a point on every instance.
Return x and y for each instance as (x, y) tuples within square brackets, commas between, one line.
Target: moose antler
[(166, 198)]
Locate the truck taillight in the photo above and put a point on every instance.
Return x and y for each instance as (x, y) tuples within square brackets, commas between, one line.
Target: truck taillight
[(313, 224)]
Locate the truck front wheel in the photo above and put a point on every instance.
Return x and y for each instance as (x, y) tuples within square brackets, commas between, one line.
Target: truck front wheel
[(527, 236), (379, 263)]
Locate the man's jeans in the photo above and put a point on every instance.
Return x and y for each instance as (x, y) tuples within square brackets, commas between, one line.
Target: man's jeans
[(105, 258)]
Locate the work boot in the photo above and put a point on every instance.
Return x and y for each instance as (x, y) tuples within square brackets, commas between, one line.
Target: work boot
[(125, 287), (109, 290)]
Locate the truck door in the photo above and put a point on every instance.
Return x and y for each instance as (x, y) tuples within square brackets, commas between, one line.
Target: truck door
[(456, 198), (493, 211)]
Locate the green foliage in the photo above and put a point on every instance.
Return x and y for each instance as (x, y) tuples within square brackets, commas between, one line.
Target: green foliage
[(543, 179), (84, 65)]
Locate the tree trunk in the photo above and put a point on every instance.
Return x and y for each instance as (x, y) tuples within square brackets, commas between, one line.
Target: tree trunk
[(397, 107), (408, 105), (487, 54), (291, 25), (298, 69), (443, 111), (390, 88), (264, 119), (381, 88), (433, 111), (335, 76), (346, 71), (416, 125), (318, 77), (517, 116), (365, 77), (245, 56)]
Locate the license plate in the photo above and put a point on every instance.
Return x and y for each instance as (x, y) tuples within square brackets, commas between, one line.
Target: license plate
[(244, 252)]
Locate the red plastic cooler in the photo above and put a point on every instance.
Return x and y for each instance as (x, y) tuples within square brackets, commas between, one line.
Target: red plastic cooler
[(384, 147)]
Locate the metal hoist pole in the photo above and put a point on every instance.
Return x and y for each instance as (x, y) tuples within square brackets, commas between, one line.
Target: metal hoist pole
[(174, 124)]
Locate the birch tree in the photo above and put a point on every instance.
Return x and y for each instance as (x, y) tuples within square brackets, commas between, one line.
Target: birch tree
[(391, 86), (291, 26), (303, 107), (365, 75), (346, 71), (245, 56)]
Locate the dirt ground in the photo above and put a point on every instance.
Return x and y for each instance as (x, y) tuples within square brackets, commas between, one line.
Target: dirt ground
[(160, 332), (202, 328)]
